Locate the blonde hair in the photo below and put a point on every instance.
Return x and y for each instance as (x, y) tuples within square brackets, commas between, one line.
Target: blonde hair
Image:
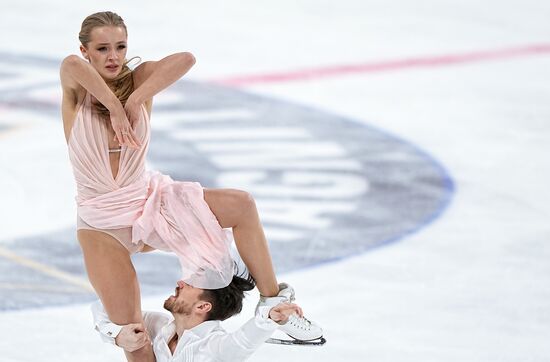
[(123, 85)]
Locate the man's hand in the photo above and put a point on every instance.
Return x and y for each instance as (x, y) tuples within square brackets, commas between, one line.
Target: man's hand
[(132, 337), (282, 311)]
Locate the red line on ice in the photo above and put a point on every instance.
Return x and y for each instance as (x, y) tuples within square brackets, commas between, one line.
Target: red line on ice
[(375, 67)]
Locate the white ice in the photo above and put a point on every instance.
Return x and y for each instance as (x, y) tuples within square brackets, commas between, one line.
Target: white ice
[(472, 286)]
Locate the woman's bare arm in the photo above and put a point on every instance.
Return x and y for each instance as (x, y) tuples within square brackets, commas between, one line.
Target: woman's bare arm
[(154, 76), (76, 72)]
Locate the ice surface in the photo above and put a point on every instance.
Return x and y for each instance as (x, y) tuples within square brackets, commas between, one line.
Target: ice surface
[(474, 285)]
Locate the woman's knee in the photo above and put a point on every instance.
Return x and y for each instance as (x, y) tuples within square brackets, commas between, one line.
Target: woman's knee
[(242, 205), (244, 200), (230, 206)]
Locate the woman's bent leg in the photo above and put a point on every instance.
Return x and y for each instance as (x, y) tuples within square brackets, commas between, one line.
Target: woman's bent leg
[(237, 209), (114, 279)]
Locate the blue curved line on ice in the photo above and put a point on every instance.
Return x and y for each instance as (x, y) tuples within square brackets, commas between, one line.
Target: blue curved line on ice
[(448, 183)]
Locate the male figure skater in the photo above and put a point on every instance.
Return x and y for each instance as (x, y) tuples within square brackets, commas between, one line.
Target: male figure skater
[(194, 333)]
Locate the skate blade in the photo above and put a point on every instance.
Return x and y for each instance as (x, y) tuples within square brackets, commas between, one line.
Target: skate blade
[(296, 342)]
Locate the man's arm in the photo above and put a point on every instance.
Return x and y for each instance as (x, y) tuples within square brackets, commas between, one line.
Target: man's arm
[(240, 345), (130, 337), (107, 329)]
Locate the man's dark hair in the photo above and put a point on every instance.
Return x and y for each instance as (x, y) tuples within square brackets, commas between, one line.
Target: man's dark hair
[(227, 301)]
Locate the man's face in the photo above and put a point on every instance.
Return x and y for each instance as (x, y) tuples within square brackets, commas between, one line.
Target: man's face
[(183, 301)]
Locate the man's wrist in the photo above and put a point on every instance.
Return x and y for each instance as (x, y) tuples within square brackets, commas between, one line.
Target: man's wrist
[(263, 320), (109, 331)]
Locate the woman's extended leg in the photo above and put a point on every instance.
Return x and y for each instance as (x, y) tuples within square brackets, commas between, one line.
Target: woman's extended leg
[(237, 209), (114, 279)]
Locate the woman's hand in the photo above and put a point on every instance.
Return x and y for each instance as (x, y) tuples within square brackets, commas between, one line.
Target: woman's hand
[(124, 132)]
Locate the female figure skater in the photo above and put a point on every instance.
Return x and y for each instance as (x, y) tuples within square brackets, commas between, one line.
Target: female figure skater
[(123, 209)]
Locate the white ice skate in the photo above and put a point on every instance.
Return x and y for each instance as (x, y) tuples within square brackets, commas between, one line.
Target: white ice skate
[(302, 330)]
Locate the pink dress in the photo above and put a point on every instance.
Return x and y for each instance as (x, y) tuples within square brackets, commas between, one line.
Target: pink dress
[(140, 207)]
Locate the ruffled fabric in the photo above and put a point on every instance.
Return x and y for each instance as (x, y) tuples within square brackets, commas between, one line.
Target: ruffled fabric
[(165, 214)]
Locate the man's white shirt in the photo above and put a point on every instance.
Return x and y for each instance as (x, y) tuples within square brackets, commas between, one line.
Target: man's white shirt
[(206, 342)]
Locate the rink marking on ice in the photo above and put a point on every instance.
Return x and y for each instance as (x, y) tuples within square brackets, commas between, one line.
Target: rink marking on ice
[(11, 131), (289, 153), (46, 269), (384, 66), (43, 288)]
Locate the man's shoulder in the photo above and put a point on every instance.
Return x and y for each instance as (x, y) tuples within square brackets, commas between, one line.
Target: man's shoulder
[(157, 317), (209, 328)]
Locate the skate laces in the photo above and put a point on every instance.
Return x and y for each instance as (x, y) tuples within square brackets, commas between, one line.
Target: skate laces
[(300, 322)]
